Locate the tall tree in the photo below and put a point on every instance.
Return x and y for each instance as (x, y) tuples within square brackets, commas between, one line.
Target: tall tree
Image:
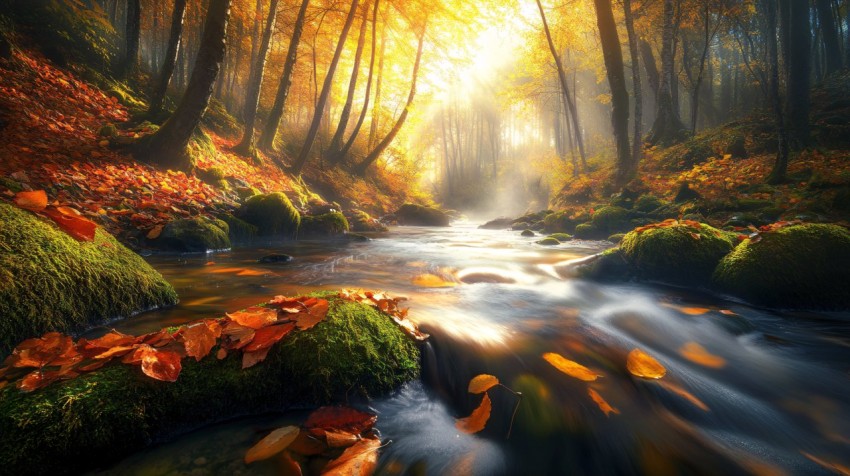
[(668, 127), (637, 137), (158, 94), (326, 91), (780, 166), (133, 32), (832, 46), (376, 109), (168, 147), (255, 84), (613, 56), (390, 137), (273, 122), (799, 67), (562, 77)]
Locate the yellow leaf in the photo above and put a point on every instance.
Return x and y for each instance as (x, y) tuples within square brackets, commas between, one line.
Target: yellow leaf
[(432, 281), (641, 364), (482, 383), (573, 369), (478, 419), (673, 388), (272, 444), (698, 355), (603, 405), (694, 311)]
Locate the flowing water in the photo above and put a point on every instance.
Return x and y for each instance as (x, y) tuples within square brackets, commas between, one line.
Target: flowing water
[(769, 395)]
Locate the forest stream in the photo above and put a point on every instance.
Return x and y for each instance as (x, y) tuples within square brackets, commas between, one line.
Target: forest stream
[(765, 392)]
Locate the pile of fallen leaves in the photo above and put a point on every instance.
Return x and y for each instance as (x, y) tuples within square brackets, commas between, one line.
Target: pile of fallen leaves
[(671, 222), (38, 362), (68, 219), (333, 440)]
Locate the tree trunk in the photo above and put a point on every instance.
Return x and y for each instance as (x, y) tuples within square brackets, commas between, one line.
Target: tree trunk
[(354, 133), (158, 95), (336, 141), (613, 56), (637, 137), (168, 147), (133, 35), (379, 149), (780, 166), (799, 71), (376, 109), (832, 45), (668, 127), (255, 84), (562, 77), (326, 91), (273, 123)]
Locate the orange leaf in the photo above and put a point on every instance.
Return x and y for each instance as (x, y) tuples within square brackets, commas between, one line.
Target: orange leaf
[(698, 355), (78, 227), (250, 359), (316, 312), (37, 379), (432, 281), (199, 339), (573, 369), (694, 311), (641, 364), (482, 383), (268, 336), (272, 444), (603, 405), (673, 388), (238, 336), (358, 460), (160, 364), (255, 317), (478, 419), (155, 232), (341, 439), (339, 418), (35, 201)]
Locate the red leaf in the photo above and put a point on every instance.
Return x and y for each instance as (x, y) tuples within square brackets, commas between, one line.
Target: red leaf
[(255, 317), (200, 338), (78, 227), (160, 364), (340, 418), (35, 201), (268, 336), (250, 359)]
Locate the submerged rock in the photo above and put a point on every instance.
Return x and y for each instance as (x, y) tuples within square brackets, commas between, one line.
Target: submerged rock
[(801, 266), (52, 282), (275, 259), (419, 215)]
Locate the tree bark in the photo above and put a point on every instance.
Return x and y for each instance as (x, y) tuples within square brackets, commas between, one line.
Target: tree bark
[(255, 84), (832, 46), (637, 137), (133, 35), (650, 66), (379, 149), (168, 147), (273, 123), (376, 109), (668, 127), (780, 166), (158, 95), (613, 56), (326, 91), (799, 71)]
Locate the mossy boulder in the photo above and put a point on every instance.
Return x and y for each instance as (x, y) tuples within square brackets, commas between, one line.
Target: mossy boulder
[(562, 222), (194, 235), (360, 221), (52, 282), (587, 231), (520, 225), (801, 266), (548, 241), (102, 416), (527, 233), (678, 254), (244, 193), (610, 265), (611, 219), (238, 230), (616, 238), (272, 214), (419, 215), (107, 130), (561, 236), (326, 225), (648, 203)]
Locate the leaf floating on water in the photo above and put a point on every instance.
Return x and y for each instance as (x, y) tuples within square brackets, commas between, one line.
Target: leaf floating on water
[(673, 388), (34, 201), (694, 311), (573, 369), (339, 418), (272, 444), (478, 419), (432, 281), (358, 460), (641, 364), (835, 467), (482, 383), (603, 405), (727, 312), (698, 355)]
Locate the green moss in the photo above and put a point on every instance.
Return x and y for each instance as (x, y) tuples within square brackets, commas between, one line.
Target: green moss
[(362, 221), (11, 184), (50, 281), (105, 415), (616, 238), (561, 236), (797, 266), (648, 203), (218, 119), (674, 255), (245, 193), (327, 224), (125, 96), (548, 241), (560, 222), (611, 219), (108, 130), (200, 234), (238, 230), (272, 214), (419, 215), (587, 231), (610, 265)]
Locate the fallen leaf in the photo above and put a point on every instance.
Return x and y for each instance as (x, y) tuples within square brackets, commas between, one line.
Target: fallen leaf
[(698, 355), (35, 201), (255, 317), (78, 227), (603, 405), (268, 336), (358, 460), (200, 338), (272, 444), (315, 314), (482, 383), (250, 359), (641, 364), (694, 311), (673, 388), (478, 419), (573, 369), (160, 364), (340, 439), (339, 418), (236, 336), (154, 232)]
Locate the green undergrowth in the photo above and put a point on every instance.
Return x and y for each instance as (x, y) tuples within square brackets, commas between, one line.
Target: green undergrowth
[(52, 282), (100, 417)]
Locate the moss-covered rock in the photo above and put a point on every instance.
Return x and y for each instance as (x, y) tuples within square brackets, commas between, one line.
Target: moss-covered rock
[(616, 238), (611, 219), (801, 266), (587, 231), (419, 215), (107, 130), (648, 203), (678, 254), (548, 241), (238, 230), (272, 214), (325, 225), (527, 233), (102, 416), (360, 221), (244, 193), (194, 235), (52, 282), (562, 237), (562, 222), (610, 265)]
